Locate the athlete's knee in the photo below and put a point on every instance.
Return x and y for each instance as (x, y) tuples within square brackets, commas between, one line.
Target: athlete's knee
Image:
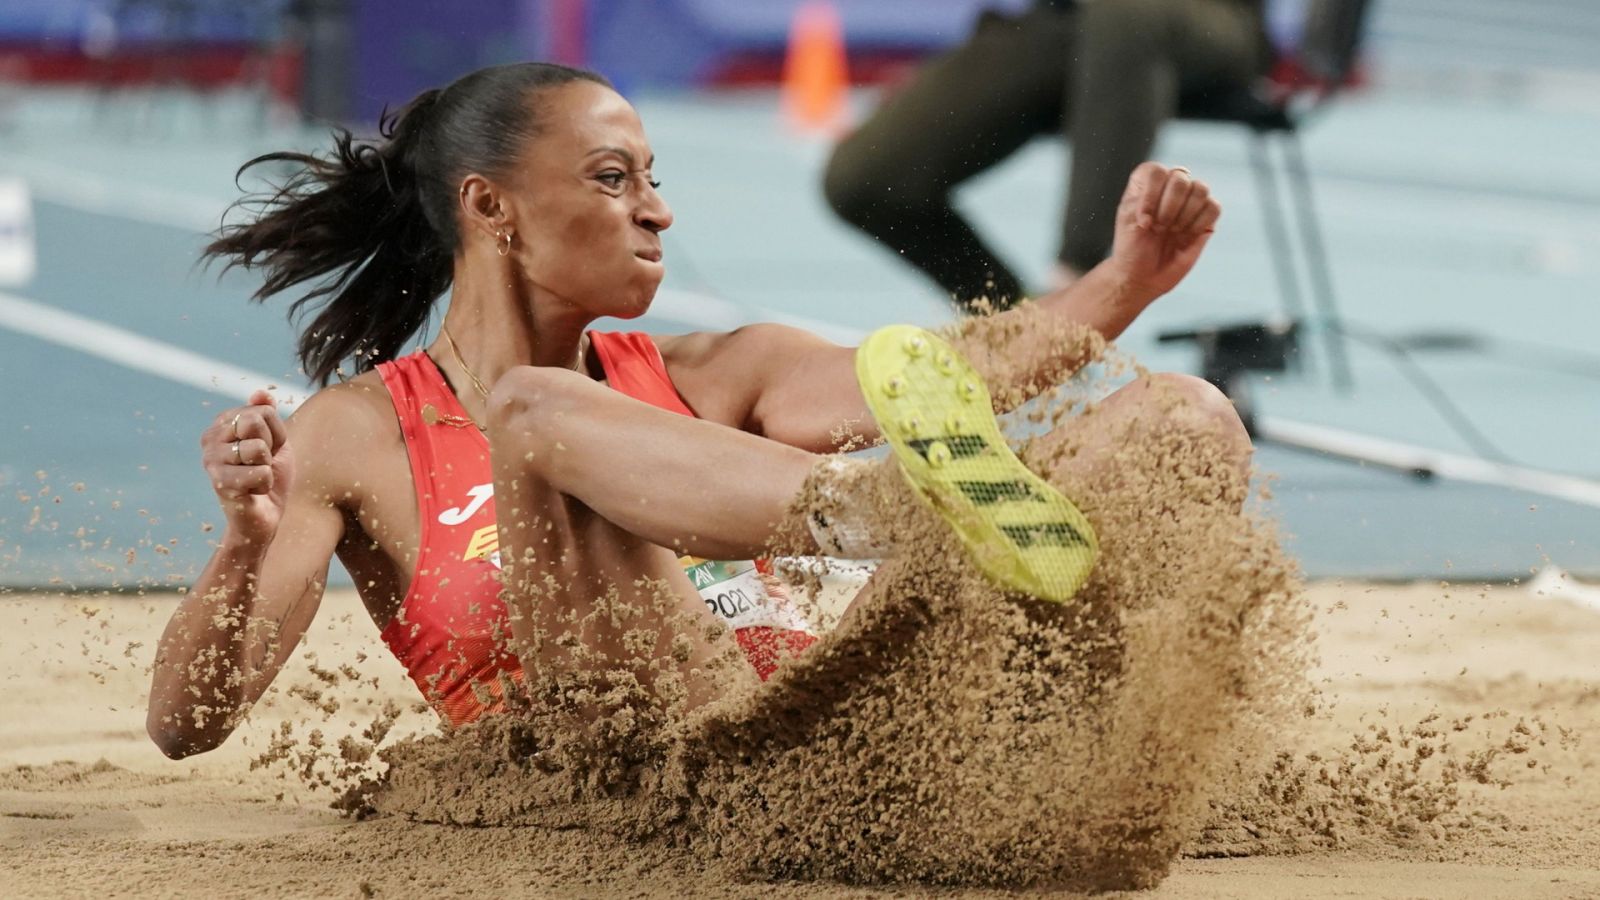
[(1197, 404)]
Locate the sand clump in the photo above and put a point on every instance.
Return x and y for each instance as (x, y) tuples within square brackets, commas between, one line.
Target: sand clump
[(1400, 785)]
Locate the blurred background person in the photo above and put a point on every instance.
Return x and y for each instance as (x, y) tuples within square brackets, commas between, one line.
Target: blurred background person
[(1104, 73)]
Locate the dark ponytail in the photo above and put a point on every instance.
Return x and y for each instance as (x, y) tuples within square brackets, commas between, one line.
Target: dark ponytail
[(372, 226)]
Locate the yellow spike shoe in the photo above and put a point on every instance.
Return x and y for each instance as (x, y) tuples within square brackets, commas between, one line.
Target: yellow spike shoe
[(934, 411)]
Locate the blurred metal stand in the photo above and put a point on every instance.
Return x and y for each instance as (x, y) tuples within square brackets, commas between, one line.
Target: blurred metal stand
[(1330, 39)]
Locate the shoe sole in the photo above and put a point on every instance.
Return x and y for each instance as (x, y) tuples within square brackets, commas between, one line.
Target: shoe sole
[(934, 410)]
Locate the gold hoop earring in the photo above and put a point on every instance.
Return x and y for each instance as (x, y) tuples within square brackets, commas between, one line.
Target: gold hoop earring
[(504, 249)]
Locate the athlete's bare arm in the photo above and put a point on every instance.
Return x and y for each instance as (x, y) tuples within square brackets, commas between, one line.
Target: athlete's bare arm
[(799, 389), (260, 591)]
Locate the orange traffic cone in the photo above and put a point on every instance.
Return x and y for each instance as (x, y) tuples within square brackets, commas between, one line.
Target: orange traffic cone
[(815, 74)]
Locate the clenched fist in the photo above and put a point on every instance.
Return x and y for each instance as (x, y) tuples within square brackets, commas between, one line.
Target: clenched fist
[(1163, 222), (246, 455)]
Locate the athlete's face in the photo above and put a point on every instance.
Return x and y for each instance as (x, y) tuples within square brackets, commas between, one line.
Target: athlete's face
[(587, 217)]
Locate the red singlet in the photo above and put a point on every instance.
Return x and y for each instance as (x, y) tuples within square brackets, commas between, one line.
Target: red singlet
[(452, 629)]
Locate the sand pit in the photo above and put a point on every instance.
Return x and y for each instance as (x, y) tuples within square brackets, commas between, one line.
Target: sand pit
[(87, 805)]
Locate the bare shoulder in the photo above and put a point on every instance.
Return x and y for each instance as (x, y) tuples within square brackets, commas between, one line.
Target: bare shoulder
[(688, 351), (351, 409), (724, 374), (336, 430), (744, 350)]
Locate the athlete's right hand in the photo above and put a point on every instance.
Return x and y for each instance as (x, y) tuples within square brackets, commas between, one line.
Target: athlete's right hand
[(246, 455)]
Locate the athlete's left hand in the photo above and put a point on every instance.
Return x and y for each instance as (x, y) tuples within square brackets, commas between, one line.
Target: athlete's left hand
[(1163, 223)]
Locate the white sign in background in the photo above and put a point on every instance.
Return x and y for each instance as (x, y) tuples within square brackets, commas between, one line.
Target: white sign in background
[(19, 258)]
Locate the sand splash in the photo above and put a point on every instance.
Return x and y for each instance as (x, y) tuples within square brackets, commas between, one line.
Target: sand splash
[(944, 732)]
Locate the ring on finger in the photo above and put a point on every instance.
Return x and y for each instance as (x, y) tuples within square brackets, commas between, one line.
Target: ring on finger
[(1175, 170), (236, 426), (238, 460)]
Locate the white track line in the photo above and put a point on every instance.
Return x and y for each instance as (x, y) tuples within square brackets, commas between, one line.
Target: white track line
[(133, 351), (1571, 488)]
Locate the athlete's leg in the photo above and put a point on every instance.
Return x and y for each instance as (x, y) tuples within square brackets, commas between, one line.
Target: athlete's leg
[(693, 486), (1160, 403)]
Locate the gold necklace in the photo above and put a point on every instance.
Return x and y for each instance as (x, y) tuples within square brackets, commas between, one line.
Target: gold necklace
[(432, 416), (476, 382)]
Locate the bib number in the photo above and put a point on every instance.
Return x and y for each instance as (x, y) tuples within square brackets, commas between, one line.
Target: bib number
[(736, 593)]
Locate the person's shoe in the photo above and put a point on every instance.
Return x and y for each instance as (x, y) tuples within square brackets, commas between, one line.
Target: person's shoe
[(934, 411)]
